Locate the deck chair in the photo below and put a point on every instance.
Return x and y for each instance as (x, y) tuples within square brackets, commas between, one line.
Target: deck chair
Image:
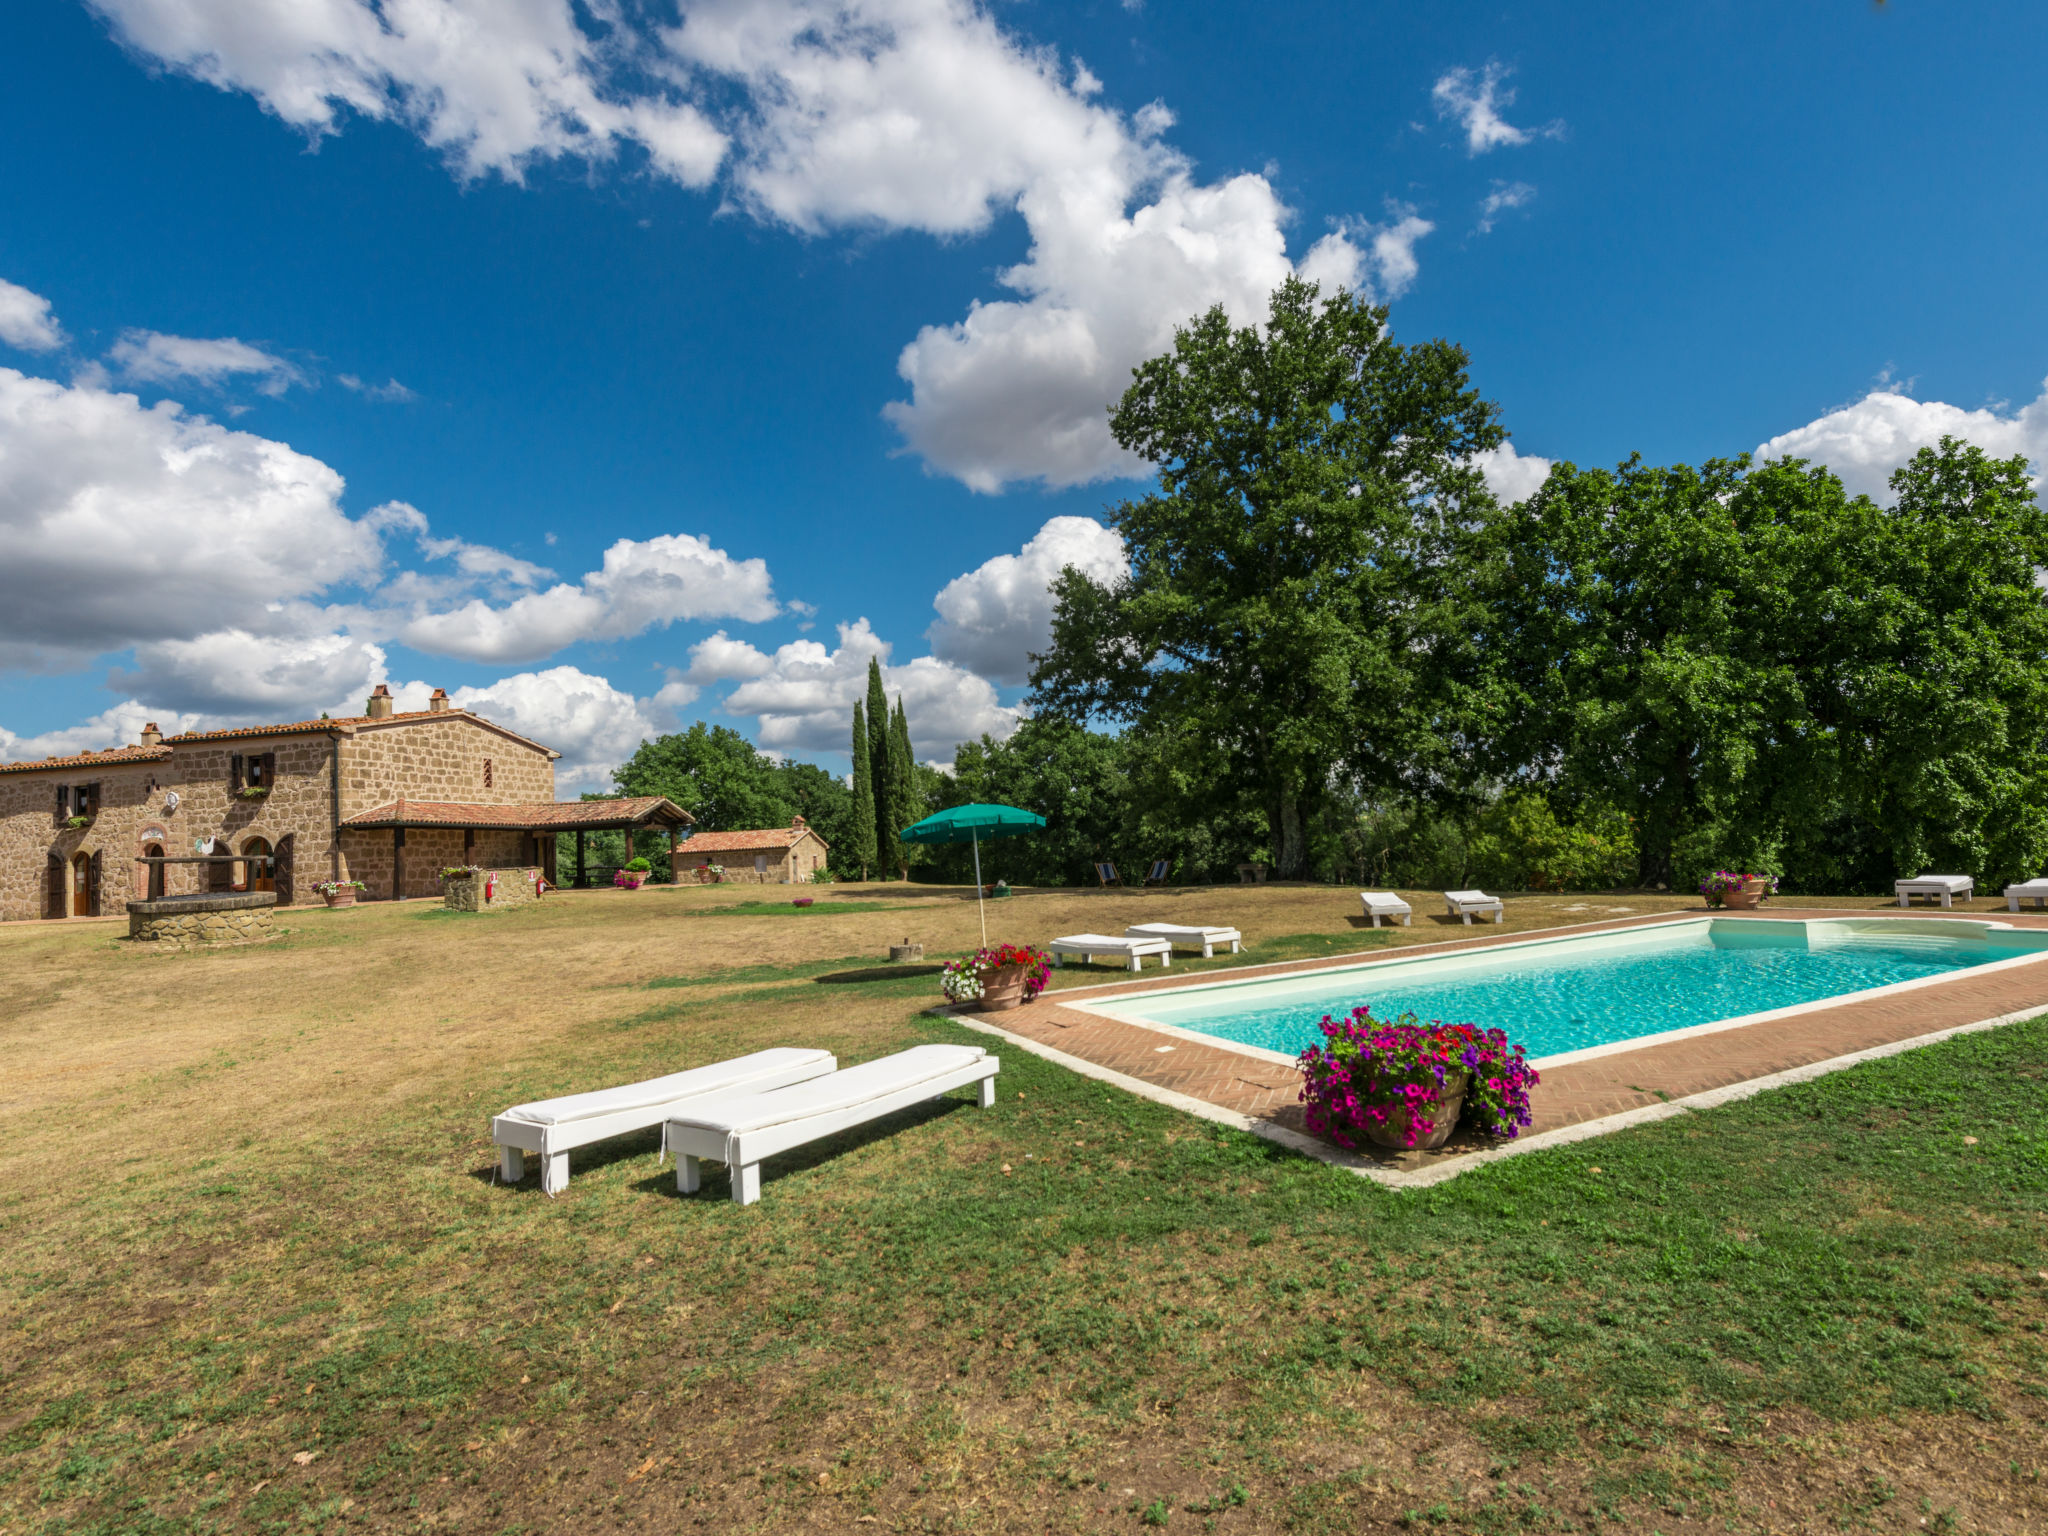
[(1107, 874), (1156, 875)]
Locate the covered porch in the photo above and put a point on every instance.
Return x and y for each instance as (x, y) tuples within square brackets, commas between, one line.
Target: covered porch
[(501, 830)]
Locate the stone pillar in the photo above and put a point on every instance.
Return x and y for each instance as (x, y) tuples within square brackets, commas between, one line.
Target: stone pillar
[(398, 863)]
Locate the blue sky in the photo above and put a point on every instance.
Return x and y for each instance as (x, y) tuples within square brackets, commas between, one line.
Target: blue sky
[(619, 367)]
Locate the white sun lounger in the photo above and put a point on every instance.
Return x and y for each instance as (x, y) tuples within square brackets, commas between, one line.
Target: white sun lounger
[(1465, 903), (1204, 939), (1089, 945), (1379, 904), (2035, 891), (740, 1129), (552, 1126), (1947, 887)]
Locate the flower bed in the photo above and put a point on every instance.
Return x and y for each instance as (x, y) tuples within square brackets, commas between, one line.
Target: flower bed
[(1392, 1083)]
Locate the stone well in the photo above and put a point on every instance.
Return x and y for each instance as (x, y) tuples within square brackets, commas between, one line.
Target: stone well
[(224, 917)]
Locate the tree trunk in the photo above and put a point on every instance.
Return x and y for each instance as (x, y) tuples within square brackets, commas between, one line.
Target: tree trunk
[(1290, 846)]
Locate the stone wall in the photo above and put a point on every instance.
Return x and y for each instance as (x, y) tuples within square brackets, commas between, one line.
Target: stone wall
[(441, 759), (509, 888), (247, 918), (136, 811), (421, 759)]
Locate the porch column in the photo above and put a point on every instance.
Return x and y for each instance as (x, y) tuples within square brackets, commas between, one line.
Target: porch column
[(629, 845), (398, 863), (469, 845), (582, 875)]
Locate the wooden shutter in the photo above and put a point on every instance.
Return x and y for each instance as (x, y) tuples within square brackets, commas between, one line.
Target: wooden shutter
[(63, 801), (92, 886), (91, 799), (235, 774), (270, 770), (281, 870), (53, 887)]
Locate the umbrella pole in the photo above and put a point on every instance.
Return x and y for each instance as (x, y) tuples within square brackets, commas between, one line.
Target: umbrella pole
[(980, 905)]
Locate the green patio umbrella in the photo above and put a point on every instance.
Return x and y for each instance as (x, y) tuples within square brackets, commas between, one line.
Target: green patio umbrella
[(970, 824)]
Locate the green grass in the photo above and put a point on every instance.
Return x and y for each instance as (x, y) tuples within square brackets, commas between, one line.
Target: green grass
[(1624, 1314)]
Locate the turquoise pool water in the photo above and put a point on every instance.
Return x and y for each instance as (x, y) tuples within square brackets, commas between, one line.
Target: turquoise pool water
[(1565, 995)]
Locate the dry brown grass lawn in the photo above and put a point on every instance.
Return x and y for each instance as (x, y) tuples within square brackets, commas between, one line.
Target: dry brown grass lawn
[(248, 1218)]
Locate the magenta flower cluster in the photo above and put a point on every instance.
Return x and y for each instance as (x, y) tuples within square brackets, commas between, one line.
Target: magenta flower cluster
[(1369, 1070)]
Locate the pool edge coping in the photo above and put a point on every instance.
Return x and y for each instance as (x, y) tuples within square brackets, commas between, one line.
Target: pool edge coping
[(1451, 1168)]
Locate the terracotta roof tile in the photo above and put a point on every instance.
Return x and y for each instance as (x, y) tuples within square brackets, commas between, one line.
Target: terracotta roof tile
[(564, 815), (735, 842), (115, 755)]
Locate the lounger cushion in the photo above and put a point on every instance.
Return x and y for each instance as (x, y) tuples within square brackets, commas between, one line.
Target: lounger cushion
[(1469, 898), (657, 1091), (1180, 931), (734, 1113), (1385, 900), (1102, 941), (1937, 882), (2028, 888)]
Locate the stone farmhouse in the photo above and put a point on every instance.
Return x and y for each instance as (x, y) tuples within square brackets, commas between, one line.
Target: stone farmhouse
[(789, 855), (386, 798)]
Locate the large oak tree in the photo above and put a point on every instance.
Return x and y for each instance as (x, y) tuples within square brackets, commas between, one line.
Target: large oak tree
[(1297, 601)]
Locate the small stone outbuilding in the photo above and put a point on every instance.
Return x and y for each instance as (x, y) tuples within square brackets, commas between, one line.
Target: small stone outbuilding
[(791, 855)]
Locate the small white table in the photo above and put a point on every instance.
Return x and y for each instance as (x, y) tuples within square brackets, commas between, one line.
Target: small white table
[(1947, 887), (1088, 945), (1465, 903), (2035, 891), (1188, 936), (1379, 904)]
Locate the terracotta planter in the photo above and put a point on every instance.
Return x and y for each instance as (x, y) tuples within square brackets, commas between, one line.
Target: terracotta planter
[(1443, 1115), (340, 898), (630, 885), (1745, 897), (1004, 989)]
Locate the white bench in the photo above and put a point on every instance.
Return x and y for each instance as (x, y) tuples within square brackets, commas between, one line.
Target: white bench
[(1379, 904), (1947, 887), (1188, 937), (1132, 951), (1465, 903), (552, 1127), (2035, 891), (742, 1129)]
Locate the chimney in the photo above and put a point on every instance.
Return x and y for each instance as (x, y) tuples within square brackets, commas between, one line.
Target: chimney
[(439, 702), (151, 735), (379, 706), (797, 823)]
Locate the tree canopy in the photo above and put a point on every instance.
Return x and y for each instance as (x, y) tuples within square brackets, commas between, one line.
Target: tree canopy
[(1295, 601)]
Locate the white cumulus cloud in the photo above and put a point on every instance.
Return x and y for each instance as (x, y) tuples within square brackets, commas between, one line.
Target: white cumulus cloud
[(804, 700), (156, 358), (644, 584), (232, 672), (26, 320), (1476, 100), (592, 724), (1864, 442), (120, 523), (494, 84), (994, 617), (885, 115), (1510, 475)]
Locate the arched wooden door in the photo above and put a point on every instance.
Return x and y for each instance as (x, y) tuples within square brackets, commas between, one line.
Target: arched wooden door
[(155, 889), (281, 869), (255, 870)]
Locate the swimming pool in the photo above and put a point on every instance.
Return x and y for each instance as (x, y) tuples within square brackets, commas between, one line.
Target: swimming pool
[(1572, 996)]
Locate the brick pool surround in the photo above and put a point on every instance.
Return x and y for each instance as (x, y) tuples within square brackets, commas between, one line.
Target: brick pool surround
[(1583, 1094)]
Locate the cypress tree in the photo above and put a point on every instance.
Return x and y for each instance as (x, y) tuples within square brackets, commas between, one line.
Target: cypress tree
[(862, 837), (902, 786), (883, 841)]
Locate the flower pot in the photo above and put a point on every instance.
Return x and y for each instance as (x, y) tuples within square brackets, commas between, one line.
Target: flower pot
[(1442, 1113), (1744, 897), (1002, 989), (627, 885), (340, 898)]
